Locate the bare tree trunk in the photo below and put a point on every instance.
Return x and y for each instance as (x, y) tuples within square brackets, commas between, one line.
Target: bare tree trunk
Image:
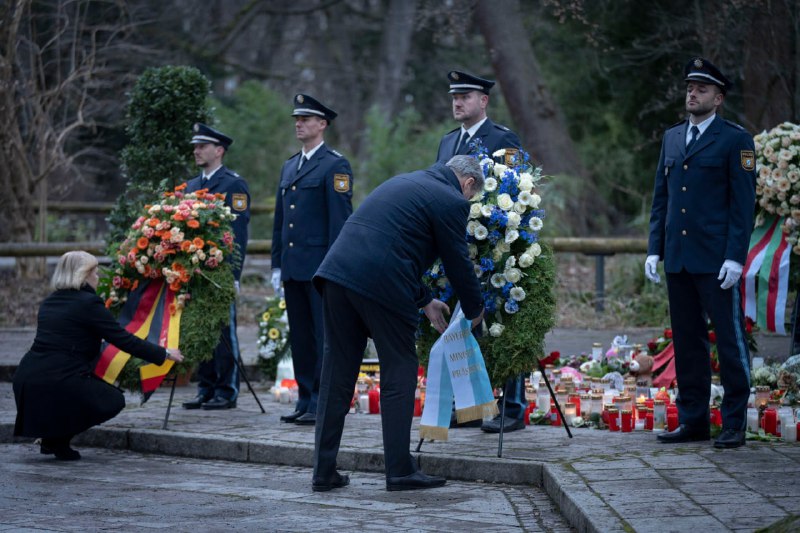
[(771, 70), (398, 30), (537, 116)]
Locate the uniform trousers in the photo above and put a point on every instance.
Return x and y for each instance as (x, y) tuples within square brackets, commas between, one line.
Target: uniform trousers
[(304, 309), (692, 298), (350, 319), (514, 393), (219, 376)]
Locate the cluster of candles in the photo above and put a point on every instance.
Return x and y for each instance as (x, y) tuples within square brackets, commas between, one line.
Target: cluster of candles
[(367, 396), (286, 392), (769, 415), (605, 406)]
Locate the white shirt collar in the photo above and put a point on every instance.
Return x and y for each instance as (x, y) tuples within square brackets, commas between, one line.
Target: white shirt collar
[(208, 176), (475, 127), (703, 126), (313, 151)]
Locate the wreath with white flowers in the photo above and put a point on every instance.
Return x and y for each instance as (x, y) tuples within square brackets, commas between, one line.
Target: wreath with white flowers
[(515, 270)]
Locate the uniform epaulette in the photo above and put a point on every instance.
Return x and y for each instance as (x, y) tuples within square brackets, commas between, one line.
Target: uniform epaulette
[(735, 125), (500, 126), (334, 152), (680, 123), (232, 172)]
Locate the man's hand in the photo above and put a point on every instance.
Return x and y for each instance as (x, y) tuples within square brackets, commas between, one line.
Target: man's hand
[(276, 280), (651, 268), (236, 286), (435, 311), (730, 273)]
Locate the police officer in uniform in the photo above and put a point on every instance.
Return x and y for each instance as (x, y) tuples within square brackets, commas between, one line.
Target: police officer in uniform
[(470, 99), (314, 199), (700, 225), (219, 377)]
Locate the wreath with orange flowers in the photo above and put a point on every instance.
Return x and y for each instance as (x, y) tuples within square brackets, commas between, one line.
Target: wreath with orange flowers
[(186, 240)]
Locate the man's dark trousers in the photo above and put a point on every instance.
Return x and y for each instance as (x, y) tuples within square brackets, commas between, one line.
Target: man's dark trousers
[(304, 308), (691, 298), (349, 319)]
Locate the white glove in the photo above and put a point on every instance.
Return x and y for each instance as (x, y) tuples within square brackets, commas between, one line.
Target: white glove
[(236, 286), (276, 280), (651, 268), (731, 271)]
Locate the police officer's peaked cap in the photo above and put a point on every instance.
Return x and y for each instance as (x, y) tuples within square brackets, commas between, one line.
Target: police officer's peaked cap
[(308, 106), (702, 70), (461, 82), (207, 135)]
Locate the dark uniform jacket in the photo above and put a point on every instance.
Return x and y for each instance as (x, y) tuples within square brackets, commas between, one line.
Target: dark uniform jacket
[(310, 210), (703, 201), (54, 386), (493, 137), (237, 197), (396, 234)]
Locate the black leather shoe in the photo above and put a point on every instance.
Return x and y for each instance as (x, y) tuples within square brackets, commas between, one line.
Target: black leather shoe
[(684, 434), (336, 482), (60, 448), (292, 417), (509, 424), (416, 481), (219, 403), (197, 403), (306, 419), (729, 438), (454, 423)]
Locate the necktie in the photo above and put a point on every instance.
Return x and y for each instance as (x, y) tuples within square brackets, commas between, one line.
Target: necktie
[(302, 162), (695, 133), (462, 143)]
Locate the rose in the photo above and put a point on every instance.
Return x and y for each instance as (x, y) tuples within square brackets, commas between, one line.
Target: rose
[(499, 170), (496, 329), (535, 199), (475, 210), (525, 260), (513, 275), (535, 249), (505, 202), (514, 220), (511, 236)]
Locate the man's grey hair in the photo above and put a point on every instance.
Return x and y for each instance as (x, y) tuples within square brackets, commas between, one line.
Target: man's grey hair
[(466, 166)]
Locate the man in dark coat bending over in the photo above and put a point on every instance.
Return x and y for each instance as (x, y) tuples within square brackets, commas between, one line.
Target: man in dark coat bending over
[(371, 284)]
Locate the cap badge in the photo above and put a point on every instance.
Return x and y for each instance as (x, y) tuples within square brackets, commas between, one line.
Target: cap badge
[(196, 127), (300, 99), (454, 75), (698, 63)]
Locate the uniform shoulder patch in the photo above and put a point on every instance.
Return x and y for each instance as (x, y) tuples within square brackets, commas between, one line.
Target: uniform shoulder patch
[(239, 202), (341, 183), (334, 152), (500, 127), (748, 159)]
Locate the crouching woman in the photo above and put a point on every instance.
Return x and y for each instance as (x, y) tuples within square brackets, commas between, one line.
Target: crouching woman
[(57, 393)]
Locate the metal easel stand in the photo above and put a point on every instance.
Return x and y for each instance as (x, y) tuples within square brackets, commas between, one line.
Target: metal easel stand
[(239, 365)]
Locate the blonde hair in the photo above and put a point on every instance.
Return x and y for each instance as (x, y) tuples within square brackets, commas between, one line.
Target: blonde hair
[(72, 270)]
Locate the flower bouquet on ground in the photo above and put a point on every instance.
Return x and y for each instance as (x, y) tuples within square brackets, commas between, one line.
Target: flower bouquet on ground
[(184, 245), (273, 335), (515, 270)]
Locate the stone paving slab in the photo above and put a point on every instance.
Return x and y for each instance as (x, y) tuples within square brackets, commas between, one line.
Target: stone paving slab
[(600, 481), (129, 491)]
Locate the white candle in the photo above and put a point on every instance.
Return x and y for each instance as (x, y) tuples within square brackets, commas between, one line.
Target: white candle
[(789, 432), (363, 403), (285, 395), (752, 420)]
